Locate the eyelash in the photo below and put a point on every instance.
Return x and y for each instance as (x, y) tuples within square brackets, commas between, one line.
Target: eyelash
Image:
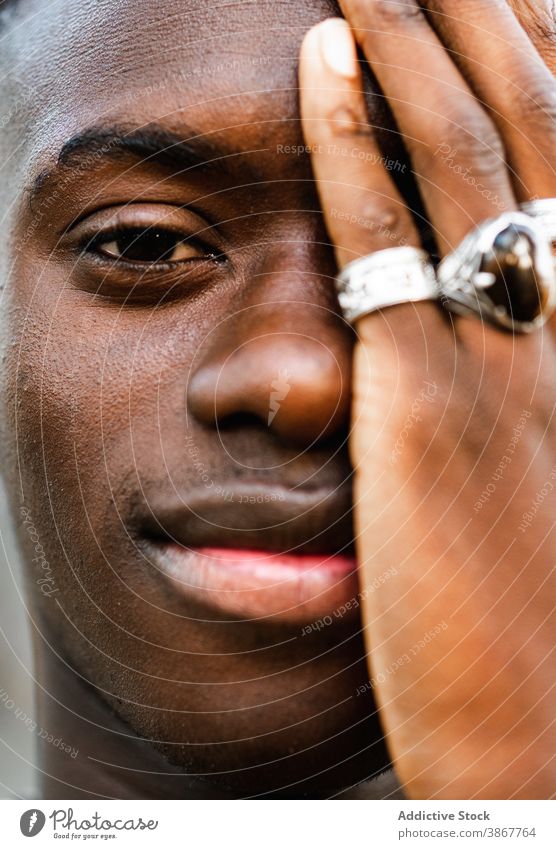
[(91, 245)]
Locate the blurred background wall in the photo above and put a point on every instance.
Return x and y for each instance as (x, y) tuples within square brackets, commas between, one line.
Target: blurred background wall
[(17, 738)]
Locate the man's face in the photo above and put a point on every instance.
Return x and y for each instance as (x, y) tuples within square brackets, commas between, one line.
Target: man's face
[(177, 384)]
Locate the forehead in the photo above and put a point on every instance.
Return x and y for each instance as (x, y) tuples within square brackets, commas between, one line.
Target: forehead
[(79, 62)]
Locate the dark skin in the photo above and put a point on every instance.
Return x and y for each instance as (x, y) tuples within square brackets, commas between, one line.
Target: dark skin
[(469, 709), (112, 371), (102, 390)]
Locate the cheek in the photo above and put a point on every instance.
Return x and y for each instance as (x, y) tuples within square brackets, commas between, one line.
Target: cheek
[(84, 407), (67, 393), (98, 405)]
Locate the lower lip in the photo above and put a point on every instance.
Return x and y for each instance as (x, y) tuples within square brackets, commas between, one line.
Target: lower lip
[(247, 584)]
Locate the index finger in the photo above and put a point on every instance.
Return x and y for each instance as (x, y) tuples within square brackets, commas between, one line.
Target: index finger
[(362, 207)]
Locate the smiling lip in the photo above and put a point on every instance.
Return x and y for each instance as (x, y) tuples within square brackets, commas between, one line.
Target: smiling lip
[(252, 557), (249, 584)]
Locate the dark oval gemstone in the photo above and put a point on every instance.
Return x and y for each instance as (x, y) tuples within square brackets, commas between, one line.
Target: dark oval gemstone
[(512, 262)]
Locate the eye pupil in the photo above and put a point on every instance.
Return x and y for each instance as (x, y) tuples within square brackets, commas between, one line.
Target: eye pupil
[(146, 245)]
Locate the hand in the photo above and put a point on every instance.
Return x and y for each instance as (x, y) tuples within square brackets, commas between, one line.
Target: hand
[(453, 435)]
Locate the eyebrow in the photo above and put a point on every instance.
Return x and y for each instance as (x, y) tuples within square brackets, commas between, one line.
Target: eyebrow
[(149, 145)]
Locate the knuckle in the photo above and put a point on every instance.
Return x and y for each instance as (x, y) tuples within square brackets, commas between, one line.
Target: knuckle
[(388, 222), (536, 103), (395, 11), (476, 132), (347, 120), (469, 141), (372, 225)]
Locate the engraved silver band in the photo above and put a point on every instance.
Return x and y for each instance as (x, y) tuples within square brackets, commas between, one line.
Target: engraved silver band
[(385, 278)]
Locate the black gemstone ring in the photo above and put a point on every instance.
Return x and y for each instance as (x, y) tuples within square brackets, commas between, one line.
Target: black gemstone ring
[(503, 271)]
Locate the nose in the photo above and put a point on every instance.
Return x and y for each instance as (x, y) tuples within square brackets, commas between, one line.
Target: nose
[(282, 357)]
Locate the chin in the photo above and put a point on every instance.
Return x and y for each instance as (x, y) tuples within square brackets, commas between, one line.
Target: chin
[(282, 772), (304, 748)]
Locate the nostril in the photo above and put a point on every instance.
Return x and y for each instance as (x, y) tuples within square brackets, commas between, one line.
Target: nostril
[(242, 421)]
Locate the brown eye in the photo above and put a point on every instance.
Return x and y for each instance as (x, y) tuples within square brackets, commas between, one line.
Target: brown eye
[(136, 244)]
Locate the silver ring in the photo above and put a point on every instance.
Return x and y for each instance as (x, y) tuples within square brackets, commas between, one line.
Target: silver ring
[(502, 271), (544, 211), (383, 279)]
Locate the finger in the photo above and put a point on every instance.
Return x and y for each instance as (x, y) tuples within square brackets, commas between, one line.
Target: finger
[(538, 19), (455, 150), (506, 72), (362, 207)]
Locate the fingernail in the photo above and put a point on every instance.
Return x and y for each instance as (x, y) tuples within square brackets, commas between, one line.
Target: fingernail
[(337, 47)]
